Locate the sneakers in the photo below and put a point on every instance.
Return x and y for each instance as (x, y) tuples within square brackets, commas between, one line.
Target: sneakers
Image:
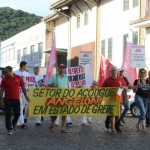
[(38, 124), (89, 120), (69, 124), (9, 132)]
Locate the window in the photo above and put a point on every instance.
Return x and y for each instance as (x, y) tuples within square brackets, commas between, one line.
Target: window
[(40, 48), (125, 36), (13, 53), (86, 17), (126, 5), (103, 47), (78, 21), (18, 56), (3, 57), (32, 53), (25, 54), (6, 55), (135, 3), (10, 54), (135, 38), (110, 49)]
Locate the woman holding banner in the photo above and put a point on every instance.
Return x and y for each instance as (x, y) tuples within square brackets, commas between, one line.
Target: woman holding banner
[(141, 87)]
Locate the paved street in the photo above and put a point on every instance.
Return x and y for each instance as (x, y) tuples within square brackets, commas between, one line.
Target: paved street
[(90, 137)]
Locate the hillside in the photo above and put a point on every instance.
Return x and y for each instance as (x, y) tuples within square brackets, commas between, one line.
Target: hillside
[(14, 21)]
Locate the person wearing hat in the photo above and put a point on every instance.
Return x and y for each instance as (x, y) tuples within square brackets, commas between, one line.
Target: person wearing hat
[(39, 82), (125, 98), (60, 80)]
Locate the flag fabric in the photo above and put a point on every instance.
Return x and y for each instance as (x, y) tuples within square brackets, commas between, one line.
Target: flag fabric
[(104, 71), (129, 72), (147, 10), (52, 62)]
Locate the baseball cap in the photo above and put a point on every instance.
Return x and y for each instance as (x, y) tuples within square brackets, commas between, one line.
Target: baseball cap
[(36, 65), (62, 65), (120, 70)]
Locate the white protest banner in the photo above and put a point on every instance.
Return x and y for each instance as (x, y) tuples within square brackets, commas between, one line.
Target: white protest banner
[(88, 76), (76, 76), (137, 56), (85, 57)]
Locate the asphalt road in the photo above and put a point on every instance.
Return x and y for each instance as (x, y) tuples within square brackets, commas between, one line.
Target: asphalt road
[(89, 137)]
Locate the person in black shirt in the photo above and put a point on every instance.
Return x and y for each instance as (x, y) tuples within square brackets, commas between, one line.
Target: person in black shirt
[(141, 87)]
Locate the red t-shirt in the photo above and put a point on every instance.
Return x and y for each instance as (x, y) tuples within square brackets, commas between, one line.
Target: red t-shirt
[(111, 82), (11, 86)]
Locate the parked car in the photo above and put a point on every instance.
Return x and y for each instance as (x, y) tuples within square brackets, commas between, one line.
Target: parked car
[(133, 106)]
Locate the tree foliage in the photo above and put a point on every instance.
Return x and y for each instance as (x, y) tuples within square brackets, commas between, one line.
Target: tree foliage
[(14, 21)]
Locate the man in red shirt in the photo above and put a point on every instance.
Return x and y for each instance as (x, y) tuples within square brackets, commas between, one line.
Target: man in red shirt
[(10, 87), (114, 81)]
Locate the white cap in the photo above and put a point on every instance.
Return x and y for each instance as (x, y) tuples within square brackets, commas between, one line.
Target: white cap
[(36, 65), (120, 69)]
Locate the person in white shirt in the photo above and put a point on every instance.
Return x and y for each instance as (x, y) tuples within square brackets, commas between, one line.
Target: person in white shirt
[(39, 82), (25, 76)]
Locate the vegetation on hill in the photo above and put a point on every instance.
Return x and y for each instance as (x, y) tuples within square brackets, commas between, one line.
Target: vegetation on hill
[(14, 21)]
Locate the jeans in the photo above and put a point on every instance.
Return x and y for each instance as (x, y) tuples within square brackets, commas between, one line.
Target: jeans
[(142, 104), (126, 108), (9, 105)]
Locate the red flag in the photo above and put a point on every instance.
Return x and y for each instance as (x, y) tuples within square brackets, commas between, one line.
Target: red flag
[(129, 72), (104, 71), (52, 62), (147, 10)]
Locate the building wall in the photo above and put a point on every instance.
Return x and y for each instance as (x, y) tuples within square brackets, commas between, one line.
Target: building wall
[(114, 23), (83, 38), (147, 47), (25, 39)]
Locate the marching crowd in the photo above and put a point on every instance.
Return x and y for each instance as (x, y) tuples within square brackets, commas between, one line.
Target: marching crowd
[(14, 95)]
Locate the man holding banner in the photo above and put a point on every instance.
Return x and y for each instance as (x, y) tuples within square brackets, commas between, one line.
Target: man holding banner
[(59, 80), (114, 81)]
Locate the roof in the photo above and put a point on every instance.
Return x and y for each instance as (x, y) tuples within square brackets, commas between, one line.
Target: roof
[(62, 3)]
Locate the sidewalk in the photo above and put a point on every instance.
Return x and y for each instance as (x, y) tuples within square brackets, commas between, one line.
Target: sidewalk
[(90, 137)]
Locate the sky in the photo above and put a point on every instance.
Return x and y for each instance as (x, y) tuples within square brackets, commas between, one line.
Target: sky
[(37, 7)]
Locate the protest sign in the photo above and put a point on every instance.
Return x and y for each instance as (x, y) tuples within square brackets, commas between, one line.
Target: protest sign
[(85, 57), (137, 56), (74, 101)]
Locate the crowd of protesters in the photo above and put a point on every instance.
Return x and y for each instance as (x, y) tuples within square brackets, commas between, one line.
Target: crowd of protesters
[(14, 87)]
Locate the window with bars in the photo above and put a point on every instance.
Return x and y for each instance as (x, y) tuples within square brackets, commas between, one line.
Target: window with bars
[(14, 53), (125, 36), (32, 52), (25, 54), (78, 20), (40, 48), (135, 3), (86, 17), (135, 38), (103, 47), (110, 47), (126, 5), (18, 56)]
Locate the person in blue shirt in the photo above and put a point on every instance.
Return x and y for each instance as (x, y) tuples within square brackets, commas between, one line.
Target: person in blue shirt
[(60, 80)]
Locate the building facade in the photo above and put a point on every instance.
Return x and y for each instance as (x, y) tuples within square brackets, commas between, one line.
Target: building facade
[(25, 46)]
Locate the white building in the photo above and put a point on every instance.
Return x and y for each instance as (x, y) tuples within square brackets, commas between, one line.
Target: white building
[(26, 46), (100, 26)]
